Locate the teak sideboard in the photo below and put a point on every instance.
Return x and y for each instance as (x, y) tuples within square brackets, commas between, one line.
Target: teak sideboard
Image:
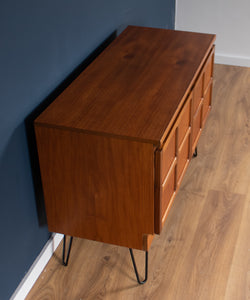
[(114, 146)]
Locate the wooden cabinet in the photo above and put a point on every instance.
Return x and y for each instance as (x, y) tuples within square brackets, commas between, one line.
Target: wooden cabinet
[(114, 146)]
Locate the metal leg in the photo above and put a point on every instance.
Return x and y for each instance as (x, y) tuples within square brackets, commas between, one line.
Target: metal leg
[(135, 268), (65, 263), (195, 152)]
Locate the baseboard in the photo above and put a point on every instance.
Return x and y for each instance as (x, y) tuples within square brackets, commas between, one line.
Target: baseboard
[(37, 267), (243, 61)]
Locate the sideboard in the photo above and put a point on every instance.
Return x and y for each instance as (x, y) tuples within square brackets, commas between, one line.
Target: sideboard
[(114, 146)]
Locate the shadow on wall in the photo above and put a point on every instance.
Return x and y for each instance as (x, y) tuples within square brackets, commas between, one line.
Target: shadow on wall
[(29, 124), (15, 183)]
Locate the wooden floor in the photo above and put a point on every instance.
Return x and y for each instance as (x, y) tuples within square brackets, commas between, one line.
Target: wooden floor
[(204, 249)]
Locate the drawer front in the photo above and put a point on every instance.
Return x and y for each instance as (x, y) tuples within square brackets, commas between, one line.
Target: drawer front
[(208, 70), (196, 130), (198, 93), (184, 121), (168, 189), (206, 103), (168, 155), (183, 157)]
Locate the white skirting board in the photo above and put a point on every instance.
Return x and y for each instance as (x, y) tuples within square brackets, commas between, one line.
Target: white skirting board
[(37, 267), (225, 59)]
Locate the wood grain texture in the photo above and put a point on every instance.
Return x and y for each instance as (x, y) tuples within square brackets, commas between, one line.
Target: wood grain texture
[(97, 187), (203, 250), (133, 75)]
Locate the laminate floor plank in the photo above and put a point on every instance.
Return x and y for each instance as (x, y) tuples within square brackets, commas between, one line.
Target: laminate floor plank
[(238, 285), (203, 252), (207, 264)]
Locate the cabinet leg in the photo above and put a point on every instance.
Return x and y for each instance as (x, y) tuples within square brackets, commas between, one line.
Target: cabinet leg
[(65, 262), (135, 268), (195, 152)]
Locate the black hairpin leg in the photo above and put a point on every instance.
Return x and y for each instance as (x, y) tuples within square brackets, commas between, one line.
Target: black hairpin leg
[(65, 262), (135, 268), (195, 152)]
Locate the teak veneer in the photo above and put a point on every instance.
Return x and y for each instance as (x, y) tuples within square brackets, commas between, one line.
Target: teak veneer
[(114, 146)]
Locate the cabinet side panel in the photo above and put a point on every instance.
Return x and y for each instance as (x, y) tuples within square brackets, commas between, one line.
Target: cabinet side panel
[(97, 187)]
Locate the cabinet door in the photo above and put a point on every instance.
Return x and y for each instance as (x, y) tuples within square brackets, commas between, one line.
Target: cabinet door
[(168, 190), (169, 153), (201, 105), (208, 70), (198, 93), (207, 87), (196, 128), (171, 162), (165, 178), (183, 130), (183, 157), (184, 121), (206, 103)]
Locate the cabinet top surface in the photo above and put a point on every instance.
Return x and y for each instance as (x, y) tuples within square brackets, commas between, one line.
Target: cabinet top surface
[(135, 87)]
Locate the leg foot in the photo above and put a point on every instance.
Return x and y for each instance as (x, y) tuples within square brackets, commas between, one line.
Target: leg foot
[(135, 268), (65, 262), (195, 152)]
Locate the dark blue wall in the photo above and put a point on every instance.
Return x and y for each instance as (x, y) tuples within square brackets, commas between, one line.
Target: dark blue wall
[(41, 43)]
